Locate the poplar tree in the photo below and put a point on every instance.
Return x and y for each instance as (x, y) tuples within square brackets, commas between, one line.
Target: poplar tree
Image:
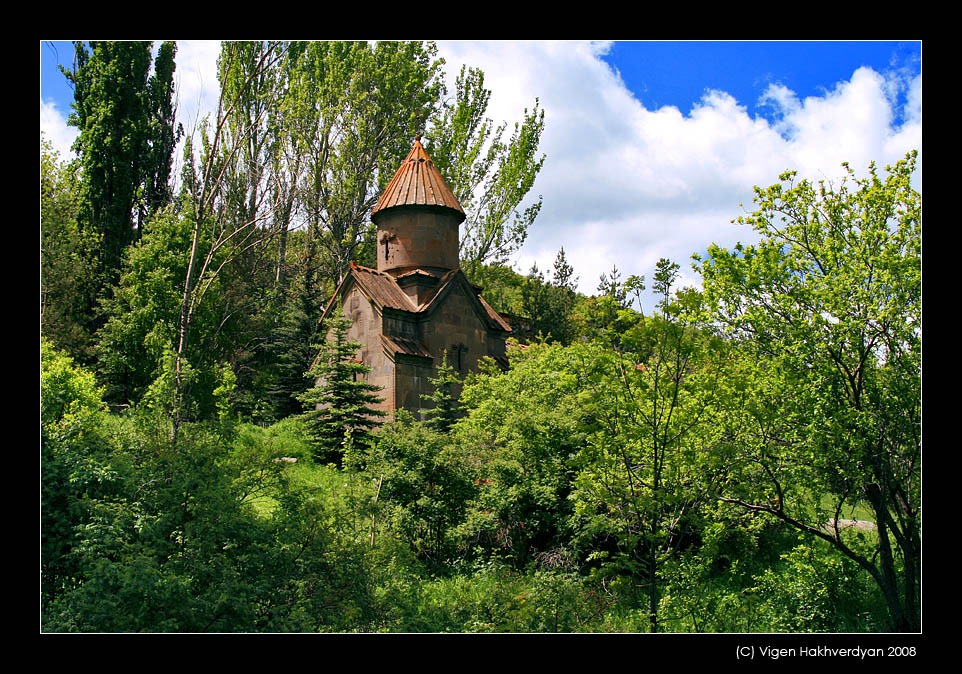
[(489, 175), (127, 136)]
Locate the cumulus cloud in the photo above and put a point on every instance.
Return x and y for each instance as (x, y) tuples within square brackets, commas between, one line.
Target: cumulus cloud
[(625, 185), (195, 81), (53, 125)]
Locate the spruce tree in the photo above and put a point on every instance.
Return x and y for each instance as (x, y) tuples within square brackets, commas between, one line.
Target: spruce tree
[(291, 351), (446, 409), (341, 402)]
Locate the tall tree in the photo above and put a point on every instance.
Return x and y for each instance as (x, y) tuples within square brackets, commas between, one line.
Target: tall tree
[(827, 307), (66, 280), (126, 120), (354, 109), (341, 404), (653, 463), (490, 176), (547, 305), (219, 240)]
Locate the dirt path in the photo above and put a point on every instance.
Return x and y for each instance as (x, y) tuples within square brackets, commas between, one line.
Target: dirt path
[(863, 525)]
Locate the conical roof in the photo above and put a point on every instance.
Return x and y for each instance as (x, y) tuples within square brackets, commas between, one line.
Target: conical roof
[(417, 183)]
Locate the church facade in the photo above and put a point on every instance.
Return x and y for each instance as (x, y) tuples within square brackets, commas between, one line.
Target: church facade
[(417, 306)]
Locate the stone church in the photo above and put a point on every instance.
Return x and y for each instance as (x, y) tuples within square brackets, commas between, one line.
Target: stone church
[(418, 304)]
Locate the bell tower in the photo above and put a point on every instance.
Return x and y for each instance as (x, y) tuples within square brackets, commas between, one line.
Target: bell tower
[(418, 219)]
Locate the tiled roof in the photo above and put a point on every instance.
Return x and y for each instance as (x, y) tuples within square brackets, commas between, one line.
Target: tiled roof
[(495, 316), (409, 347), (384, 290), (417, 183), (438, 289), (416, 272), (382, 287)]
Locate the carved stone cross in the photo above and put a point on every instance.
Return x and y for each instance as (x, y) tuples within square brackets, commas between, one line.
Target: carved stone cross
[(385, 239)]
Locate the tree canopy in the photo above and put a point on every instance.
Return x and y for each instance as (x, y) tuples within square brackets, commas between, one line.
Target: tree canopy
[(827, 309), (740, 457)]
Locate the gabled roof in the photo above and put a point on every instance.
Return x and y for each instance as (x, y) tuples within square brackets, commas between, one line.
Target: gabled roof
[(405, 346), (447, 283), (417, 183), (384, 291)]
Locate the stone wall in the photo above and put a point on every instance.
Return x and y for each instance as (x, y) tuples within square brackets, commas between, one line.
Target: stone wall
[(455, 327), (417, 237), (366, 329)]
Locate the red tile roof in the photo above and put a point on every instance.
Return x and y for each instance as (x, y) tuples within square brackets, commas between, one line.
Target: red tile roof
[(384, 290), (417, 183), (409, 347)]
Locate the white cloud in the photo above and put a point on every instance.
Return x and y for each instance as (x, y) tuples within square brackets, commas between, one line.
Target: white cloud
[(624, 185), (195, 81), (53, 124)]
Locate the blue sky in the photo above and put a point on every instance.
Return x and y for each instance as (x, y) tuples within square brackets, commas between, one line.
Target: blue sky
[(652, 147), (677, 73)]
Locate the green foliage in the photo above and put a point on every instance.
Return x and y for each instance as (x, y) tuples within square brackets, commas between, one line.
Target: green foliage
[(66, 391), (444, 407), (173, 540), (67, 280), (423, 487), (75, 464), (588, 488), (655, 456), (494, 598), (489, 176), (353, 109), (143, 317), (125, 117), (827, 307), (548, 306), (814, 590), (522, 431), (291, 351), (340, 407)]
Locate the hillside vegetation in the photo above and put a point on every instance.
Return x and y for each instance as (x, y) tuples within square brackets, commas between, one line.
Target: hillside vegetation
[(669, 468)]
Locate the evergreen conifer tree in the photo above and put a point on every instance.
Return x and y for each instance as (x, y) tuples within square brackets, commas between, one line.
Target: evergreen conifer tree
[(291, 351), (446, 408), (341, 402)]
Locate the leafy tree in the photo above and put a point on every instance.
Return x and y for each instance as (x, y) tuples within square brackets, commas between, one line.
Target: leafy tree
[(423, 485), (353, 109), (340, 407), (635, 285), (523, 428), (666, 273), (656, 458), (126, 121), (251, 79), (827, 309), (66, 280), (75, 466), (141, 318), (221, 242), (489, 176)]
